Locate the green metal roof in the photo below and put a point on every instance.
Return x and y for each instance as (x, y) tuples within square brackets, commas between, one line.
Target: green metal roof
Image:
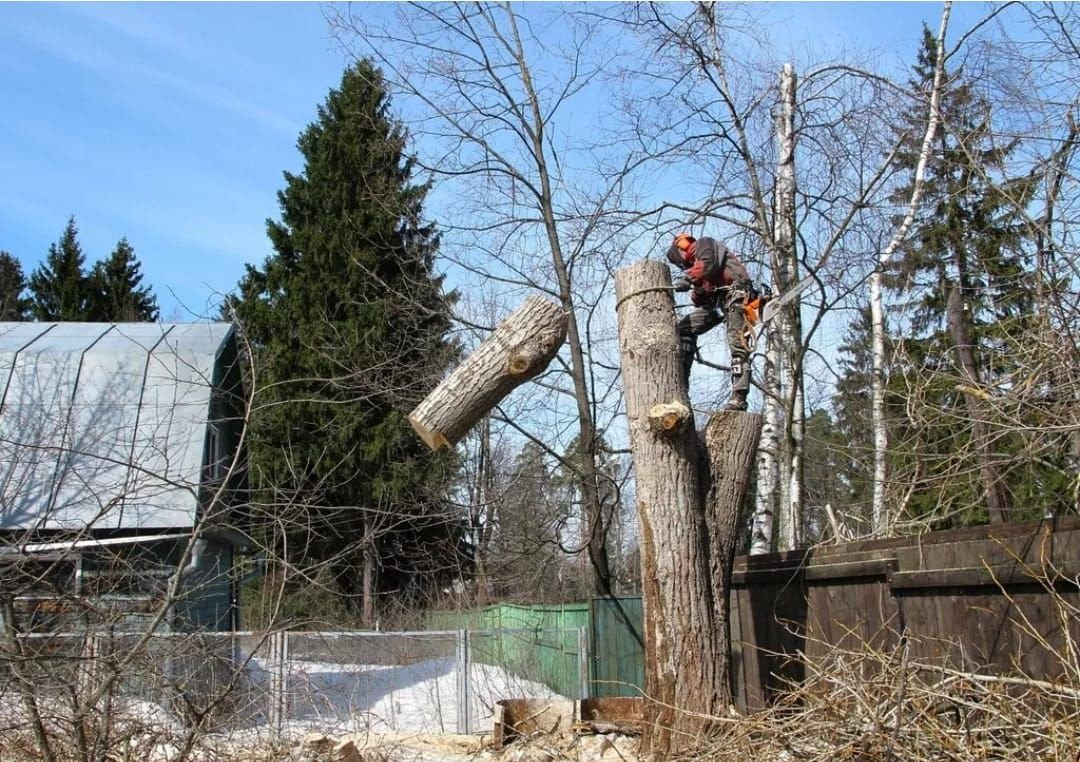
[(104, 425)]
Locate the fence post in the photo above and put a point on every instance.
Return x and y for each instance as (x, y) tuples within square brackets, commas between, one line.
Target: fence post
[(583, 661), (278, 665), (463, 681)]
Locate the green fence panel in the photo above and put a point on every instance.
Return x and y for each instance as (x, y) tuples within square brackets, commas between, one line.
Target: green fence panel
[(541, 641), (453, 620), (618, 647), (538, 643)]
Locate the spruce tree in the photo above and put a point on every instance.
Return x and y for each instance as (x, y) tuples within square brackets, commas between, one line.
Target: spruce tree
[(850, 431), (59, 287), (115, 293), (961, 283), (13, 302), (349, 328)]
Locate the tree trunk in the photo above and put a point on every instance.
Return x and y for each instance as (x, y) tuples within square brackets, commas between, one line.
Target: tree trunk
[(789, 321), (519, 349), (768, 470), (881, 521), (879, 518), (731, 442), (368, 575), (685, 548), (993, 492)]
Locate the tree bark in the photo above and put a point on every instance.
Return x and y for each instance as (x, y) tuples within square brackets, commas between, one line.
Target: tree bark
[(881, 521), (768, 465), (731, 443), (788, 331), (519, 349), (368, 575), (993, 491), (686, 548)]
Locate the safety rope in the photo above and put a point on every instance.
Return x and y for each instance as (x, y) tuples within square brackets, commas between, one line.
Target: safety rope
[(642, 291)]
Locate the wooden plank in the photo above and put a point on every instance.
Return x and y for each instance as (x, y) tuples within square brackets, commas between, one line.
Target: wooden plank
[(994, 576), (735, 638), (846, 569), (1064, 529), (850, 570)]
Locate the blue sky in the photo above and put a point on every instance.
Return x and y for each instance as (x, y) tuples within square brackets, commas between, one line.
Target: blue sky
[(171, 123)]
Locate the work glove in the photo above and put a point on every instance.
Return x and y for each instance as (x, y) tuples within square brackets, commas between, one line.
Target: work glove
[(682, 284)]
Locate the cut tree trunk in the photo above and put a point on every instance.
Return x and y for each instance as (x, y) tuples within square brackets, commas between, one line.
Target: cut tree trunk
[(731, 443), (519, 349), (683, 543)]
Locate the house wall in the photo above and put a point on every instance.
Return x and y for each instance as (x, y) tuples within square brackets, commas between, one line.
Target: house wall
[(206, 595)]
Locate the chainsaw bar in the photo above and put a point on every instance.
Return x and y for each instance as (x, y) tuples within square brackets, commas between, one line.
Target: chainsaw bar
[(773, 306)]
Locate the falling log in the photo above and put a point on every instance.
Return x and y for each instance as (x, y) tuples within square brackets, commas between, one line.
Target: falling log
[(519, 349), (689, 491)]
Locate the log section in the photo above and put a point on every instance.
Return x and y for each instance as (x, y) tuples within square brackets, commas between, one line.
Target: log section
[(519, 349)]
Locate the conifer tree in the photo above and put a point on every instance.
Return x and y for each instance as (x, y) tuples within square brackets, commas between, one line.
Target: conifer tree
[(59, 287), (348, 323), (961, 281), (13, 302), (115, 291)]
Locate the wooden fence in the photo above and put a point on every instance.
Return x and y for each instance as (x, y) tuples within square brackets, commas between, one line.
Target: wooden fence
[(994, 599)]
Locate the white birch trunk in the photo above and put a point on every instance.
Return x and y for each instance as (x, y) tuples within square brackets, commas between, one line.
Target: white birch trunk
[(789, 319), (761, 536), (880, 520)]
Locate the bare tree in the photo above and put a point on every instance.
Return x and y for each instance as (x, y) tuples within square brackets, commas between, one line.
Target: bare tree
[(830, 142), (512, 165)]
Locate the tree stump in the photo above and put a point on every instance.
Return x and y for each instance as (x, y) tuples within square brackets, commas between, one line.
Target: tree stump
[(519, 349), (689, 507)]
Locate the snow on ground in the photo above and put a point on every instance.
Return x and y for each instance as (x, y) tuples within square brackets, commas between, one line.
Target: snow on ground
[(412, 708), (348, 698), (423, 696)]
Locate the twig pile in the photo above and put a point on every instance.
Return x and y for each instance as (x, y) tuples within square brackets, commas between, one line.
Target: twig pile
[(873, 706)]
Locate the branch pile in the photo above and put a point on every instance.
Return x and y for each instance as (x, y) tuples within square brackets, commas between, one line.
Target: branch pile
[(869, 705)]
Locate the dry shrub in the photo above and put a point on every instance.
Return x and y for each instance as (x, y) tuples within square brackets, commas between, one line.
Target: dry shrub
[(865, 704)]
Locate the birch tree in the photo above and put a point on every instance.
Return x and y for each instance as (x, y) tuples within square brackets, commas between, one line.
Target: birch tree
[(826, 137), (879, 518)]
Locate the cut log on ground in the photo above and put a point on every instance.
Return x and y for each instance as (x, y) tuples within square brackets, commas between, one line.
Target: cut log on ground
[(519, 349), (689, 506)]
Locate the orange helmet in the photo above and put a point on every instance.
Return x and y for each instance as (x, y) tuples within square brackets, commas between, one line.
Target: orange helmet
[(683, 241)]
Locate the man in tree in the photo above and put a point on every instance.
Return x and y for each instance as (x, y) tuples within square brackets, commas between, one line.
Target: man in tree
[(715, 278)]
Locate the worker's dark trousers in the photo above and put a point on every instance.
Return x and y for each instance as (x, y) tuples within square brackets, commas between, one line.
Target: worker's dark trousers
[(704, 319)]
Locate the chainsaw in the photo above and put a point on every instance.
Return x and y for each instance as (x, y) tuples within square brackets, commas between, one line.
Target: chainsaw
[(764, 307), (774, 305)]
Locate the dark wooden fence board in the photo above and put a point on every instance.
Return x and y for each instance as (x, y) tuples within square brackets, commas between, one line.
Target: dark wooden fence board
[(979, 598)]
